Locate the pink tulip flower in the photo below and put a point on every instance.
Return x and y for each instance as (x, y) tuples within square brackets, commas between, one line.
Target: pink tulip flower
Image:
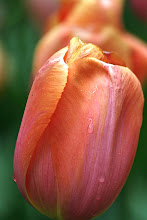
[(79, 133)]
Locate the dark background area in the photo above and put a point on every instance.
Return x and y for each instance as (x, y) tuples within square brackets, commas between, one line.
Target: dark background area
[(19, 35)]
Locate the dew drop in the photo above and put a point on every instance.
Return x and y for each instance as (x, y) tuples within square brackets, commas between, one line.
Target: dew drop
[(14, 178), (90, 127), (101, 179)]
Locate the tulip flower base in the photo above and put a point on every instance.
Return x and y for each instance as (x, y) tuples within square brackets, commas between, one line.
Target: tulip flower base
[(79, 133)]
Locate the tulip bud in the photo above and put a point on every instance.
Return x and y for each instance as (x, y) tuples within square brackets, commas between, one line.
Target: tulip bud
[(79, 133)]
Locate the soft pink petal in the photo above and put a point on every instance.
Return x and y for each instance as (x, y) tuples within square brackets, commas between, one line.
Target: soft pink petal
[(111, 151), (43, 99), (40, 179), (49, 44), (96, 13), (68, 129), (93, 136)]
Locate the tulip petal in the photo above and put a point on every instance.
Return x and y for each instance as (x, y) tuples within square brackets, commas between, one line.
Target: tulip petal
[(49, 44), (113, 58), (106, 168), (78, 50), (40, 179), (101, 12), (66, 7), (87, 144), (109, 39), (43, 99), (68, 142)]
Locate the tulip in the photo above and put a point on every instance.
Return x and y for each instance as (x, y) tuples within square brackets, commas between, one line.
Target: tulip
[(79, 133)]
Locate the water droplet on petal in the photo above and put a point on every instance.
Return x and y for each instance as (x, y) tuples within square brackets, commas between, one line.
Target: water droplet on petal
[(14, 178), (101, 179), (90, 127)]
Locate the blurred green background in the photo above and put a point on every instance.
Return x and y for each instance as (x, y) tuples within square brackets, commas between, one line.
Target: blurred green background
[(19, 36)]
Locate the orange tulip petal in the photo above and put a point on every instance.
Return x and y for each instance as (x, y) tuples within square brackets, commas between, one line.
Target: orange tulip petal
[(109, 39), (112, 147), (40, 179), (113, 58), (43, 99), (78, 50), (95, 14), (49, 44), (66, 6), (68, 129), (89, 135)]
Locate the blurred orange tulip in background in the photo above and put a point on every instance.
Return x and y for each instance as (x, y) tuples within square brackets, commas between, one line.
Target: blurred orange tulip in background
[(98, 22)]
